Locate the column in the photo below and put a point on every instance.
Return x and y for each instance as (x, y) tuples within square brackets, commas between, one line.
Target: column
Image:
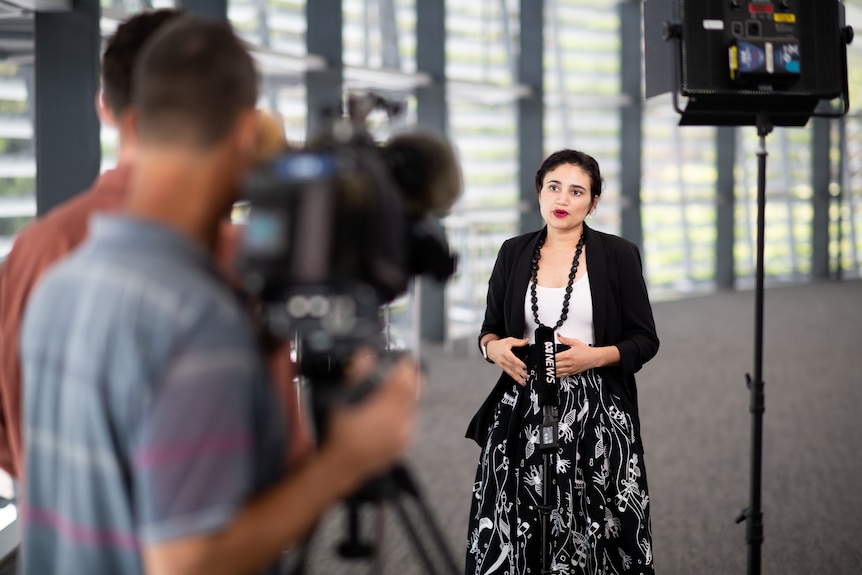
[(432, 114), (631, 114), (68, 144), (531, 110)]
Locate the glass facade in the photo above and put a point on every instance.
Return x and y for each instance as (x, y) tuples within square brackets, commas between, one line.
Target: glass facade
[(678, 201), (17, 164), (788, 239), (582, 91), (846, 245), (583, 100)]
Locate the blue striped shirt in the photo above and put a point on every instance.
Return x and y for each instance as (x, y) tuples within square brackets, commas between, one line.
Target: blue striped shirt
[(148, 410)]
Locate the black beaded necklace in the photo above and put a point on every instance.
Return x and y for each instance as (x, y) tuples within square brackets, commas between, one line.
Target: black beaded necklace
[(534, 280)]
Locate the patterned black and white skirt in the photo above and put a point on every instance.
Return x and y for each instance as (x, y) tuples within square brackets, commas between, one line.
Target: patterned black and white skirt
[(599, 522)]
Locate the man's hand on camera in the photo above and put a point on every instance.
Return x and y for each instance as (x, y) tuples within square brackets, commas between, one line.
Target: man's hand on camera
[(366, 438)]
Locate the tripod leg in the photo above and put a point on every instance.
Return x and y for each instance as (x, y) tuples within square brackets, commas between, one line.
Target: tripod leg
[(413, 536), (405, 483), (353, 547)]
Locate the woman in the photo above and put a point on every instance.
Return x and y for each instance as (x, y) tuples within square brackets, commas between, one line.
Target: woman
[(588, 286)]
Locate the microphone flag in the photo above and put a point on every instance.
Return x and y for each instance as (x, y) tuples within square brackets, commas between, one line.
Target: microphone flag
[(546, 366)]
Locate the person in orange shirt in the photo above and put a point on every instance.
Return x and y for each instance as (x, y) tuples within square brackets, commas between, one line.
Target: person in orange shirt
[(51, 237), (54, 235)]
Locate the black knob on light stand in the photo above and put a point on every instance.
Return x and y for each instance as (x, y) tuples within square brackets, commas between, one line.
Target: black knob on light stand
[(670, 30)]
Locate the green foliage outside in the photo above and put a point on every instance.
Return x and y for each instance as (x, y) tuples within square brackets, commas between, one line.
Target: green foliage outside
[(17, 187), (11, 226)]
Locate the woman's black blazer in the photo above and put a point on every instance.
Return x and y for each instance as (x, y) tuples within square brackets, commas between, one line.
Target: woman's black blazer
[(622, 314)]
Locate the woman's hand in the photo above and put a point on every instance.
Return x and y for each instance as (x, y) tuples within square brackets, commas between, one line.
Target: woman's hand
[(500, 352), (581, 357)]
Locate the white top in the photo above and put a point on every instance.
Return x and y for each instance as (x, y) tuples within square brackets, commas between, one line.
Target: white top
[(578, 324)]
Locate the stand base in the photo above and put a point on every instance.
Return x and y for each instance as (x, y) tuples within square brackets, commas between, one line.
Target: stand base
[(394, 488)]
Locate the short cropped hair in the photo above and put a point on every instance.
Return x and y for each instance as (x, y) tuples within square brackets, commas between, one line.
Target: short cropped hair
[(193, 80), (575, 158), (121, 53)]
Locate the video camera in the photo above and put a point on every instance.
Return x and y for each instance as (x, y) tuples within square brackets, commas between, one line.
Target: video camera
[(337, 229), (334, 232)]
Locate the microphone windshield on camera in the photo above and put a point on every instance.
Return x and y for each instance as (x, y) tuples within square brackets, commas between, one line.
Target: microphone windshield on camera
[(426, 170), (343, 224)]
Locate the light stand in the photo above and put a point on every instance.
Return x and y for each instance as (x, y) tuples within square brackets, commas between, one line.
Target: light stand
[(753, 514), (688, 54)]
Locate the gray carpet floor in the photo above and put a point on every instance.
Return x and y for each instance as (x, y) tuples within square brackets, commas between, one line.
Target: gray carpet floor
[(696, 427)]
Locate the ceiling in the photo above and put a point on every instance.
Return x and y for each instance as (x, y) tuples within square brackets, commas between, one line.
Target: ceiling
[(16, 24)]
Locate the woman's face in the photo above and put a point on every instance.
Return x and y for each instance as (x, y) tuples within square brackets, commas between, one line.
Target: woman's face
[(565, 198)]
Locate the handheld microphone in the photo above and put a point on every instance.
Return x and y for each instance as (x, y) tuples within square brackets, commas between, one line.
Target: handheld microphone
[(546, 366), (546, 386)]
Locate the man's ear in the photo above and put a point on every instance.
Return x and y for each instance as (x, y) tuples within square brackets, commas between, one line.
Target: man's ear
[(106, 116)]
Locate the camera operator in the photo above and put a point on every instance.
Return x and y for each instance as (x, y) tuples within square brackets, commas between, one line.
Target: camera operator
[(52, 236), (152, 440)]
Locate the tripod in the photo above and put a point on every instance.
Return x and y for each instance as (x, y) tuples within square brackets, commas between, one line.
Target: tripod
[(396, 487), (753, 514)]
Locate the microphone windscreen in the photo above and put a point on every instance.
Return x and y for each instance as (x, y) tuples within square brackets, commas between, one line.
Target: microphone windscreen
[(424, 166)]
